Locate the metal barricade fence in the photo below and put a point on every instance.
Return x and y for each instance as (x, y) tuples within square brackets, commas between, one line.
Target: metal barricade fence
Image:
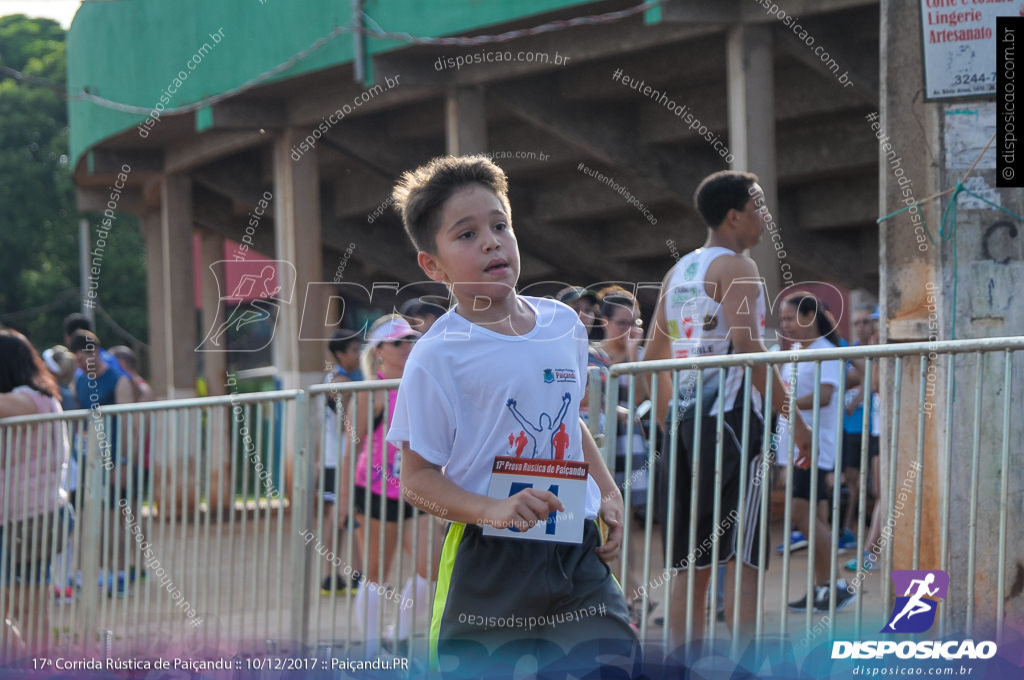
[(203, 523), (200, 524), (405, 551), (32, 447), (915, 370), (177, 536)]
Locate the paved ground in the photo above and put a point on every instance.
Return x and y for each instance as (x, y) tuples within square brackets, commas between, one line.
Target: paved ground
[(238, 577)]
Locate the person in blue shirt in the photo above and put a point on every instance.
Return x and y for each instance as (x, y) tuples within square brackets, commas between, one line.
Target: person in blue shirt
[(80, 322), (864, 323), (97, 384)]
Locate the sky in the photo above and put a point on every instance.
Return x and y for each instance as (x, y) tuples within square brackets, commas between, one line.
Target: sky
[(61, 10)]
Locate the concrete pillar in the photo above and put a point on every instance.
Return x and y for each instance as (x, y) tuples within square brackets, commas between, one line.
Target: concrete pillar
[(297, 239), (211, 251), (178, 296), (158, 321), (918, 279), (751, 100), (906, 270), (465, 121)]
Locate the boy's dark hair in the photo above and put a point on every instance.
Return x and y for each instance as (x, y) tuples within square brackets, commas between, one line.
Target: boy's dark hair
[(76, 322), (341, 339), (721, 192), (84, 341), (420, 193)]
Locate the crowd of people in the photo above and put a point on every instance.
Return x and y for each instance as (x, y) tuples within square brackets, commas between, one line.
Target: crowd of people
[(43, 464), (431, 441)]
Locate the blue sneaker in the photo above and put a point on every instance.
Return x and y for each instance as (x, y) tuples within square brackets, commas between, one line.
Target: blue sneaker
[(847, 540), (797, 541), (114, 587), (869, 562)]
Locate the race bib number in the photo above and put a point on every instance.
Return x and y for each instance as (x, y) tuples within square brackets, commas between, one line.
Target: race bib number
[(566, 479)]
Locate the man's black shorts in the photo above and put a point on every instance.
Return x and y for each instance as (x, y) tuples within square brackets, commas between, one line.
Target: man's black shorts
[(802, 484), (751, 552), (330, 491), (390, 510), (851, 449)]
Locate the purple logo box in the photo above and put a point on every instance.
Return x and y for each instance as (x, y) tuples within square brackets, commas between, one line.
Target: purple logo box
[(901, 579)]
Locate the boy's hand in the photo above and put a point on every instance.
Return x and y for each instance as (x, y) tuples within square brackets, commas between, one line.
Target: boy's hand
[(524, 509), (612, 514)]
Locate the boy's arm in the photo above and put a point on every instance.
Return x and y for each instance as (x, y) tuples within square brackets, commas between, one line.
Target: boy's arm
[(424, 486), (611, 499)]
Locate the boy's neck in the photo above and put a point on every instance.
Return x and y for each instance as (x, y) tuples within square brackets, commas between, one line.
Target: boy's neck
[(509, 316), (717, 239)]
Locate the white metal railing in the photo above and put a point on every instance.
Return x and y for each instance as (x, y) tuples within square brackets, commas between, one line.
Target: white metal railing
[(220, 500), (949, 467)]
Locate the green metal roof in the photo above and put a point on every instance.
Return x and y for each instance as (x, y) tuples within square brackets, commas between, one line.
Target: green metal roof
[(131, 51)]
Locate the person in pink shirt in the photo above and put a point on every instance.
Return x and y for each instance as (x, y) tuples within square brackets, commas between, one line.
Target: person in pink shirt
[(388, 345), (32, 460)]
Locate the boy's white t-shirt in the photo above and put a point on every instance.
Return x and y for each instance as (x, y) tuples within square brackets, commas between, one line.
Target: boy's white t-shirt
[(827, 439), (469, 394)]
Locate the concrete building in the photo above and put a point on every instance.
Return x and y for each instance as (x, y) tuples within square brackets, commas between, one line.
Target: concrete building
[(602, 169)]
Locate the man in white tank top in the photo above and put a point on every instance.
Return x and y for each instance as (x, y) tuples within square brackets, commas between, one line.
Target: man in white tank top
[(713, 303)]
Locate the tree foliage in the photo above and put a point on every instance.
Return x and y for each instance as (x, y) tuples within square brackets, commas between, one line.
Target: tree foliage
[(39, 261)]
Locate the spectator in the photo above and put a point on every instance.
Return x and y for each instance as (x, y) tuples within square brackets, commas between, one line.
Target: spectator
[(141, 391), (873, 547), (804, 319), (623, 331), (99, 383), (80, 322), (344, 347), (712, 303), (583, 302), (61, 363), (421, 313), (389, 343), (853, 423), (34, 463)]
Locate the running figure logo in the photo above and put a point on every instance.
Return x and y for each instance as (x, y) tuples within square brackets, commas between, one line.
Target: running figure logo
[(259, 288), (553, 430), (914, 612)]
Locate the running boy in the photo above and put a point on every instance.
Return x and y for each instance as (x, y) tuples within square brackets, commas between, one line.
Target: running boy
[(497, 360)]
